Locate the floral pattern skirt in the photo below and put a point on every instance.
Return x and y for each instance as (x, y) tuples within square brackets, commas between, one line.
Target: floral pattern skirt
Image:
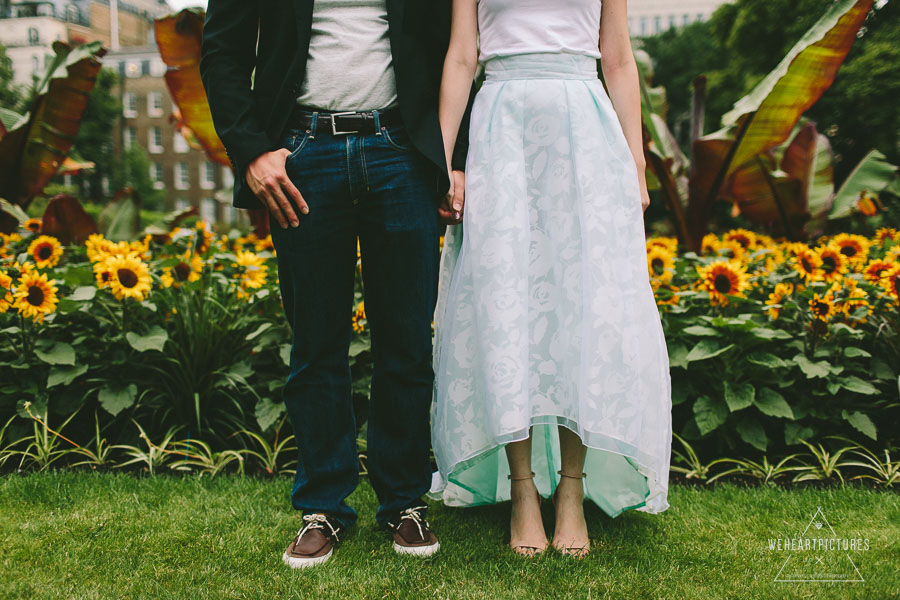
[(545, 314)]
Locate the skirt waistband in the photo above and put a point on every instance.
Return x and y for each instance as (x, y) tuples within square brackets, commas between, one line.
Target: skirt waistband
[(541, 66)]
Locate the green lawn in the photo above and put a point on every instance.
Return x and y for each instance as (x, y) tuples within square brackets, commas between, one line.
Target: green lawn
[(77, 535)]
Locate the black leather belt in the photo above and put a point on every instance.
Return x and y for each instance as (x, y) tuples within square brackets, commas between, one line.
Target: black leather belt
[(343, 123)]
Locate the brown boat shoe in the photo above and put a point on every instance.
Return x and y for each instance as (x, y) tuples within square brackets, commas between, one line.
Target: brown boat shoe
[(314, 543), (412, 533)]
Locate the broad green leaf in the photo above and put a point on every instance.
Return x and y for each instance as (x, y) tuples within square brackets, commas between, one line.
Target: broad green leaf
[(268, 412), (853, 352), (753, 433), (116, 398), (855, 384), (120, 220), (873, 174), (59, 353), (861, 422), (769, 402), (83, 293), (34, 148), (178, 37), (706, 349), (678, 356), (794, 432), (358, 346), (64, 375), (812, 369), (154, 339), (709, 414), (700, 330), (258, 331), (771, 334), (285, 353), (738, 395), (765, 359)]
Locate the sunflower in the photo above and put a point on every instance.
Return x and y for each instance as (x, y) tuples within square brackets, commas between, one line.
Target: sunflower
[(886, 234), (33, 225), (6, 242), (358, 318), (833, 263), (890, 281), (6, 297), (97, 247), (747, 239), (188, 269), (722, 279), (204, 237), (776, 299), (102, 274), (854, 247), (709, 244), (855, 299), (876, 270), (140, 247), (129, 277), (731, 249), (35, 296), (806, 262), (252, 270), (660, 263), (46, 251), (665, 242), (822, 306), (667, 295)]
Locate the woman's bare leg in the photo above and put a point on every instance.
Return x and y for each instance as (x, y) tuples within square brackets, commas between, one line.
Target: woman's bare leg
[(571, 535), (526, 528)]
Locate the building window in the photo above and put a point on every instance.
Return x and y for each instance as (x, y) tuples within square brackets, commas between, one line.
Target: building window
[(643, 25), (155, 104), (207, 175), (699, 17), (130, 102), (182, 176), (671, 21), (156, 174), (35, 63), (145, 68), (182, 204), (208, 210), (34, 37), (686, 19), (130, 136), (657, 24), (180, 143), (227, 177), (155, 145)]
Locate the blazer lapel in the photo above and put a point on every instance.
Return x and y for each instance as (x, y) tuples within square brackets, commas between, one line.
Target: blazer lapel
[(395, 14), (303, 10)]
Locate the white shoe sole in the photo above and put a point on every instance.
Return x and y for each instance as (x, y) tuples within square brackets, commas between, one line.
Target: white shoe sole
[(417, 550), (303, 563)]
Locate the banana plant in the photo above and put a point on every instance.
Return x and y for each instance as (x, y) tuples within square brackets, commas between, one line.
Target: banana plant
[(740, 162)]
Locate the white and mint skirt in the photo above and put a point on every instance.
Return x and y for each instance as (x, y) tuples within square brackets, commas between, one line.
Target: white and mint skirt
[(545, 314)]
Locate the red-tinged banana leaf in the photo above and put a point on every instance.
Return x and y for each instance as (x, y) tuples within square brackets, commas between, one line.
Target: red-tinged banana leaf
[(769, 196), (178, 37), (765, 117), (35, 146), (65, 219), (870, 177), (809, 160)]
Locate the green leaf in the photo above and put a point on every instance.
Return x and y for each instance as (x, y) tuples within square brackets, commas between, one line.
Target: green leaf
[(121, 218), (285, 354), (738, 395), (86, 292), (811, 369), (154, 339), (678, 356), (861, 422), (267, 412), (771, 334), (59, 353), (753, 433), (873, 174), (709, 414), (769, 402), (794, 433), (700, 330), (853, 352), (116, 398), (855, 384), (358, 346), (258, 331), (706, 349), (64, 374), (765, 359)]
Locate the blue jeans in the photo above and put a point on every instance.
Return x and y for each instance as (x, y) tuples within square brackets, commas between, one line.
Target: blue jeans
[(378, 188)]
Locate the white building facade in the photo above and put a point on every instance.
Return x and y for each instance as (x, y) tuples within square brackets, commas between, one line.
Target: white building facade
[(28, 42), (649, 17)]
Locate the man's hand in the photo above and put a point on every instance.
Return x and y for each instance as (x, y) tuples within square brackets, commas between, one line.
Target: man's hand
[(451, 209), (269, 182)]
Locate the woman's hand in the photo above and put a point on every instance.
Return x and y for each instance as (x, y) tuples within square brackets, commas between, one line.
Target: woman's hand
[(451, 209), (645, 194)]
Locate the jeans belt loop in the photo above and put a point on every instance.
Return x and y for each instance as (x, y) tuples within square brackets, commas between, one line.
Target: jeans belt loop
[(313, 121), (377, 122)]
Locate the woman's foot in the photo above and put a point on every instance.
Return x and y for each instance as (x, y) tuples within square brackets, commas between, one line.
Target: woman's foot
[(526, 527), (571, 534)]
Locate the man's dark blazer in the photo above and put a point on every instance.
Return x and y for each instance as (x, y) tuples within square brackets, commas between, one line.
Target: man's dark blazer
[(250, 110)]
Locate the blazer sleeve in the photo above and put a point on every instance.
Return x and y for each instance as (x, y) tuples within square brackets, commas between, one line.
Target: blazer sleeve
[(227, 60), (461, 149)]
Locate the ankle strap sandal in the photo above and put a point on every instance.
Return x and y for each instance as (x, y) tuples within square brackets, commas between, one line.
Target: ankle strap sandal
[(582, 476), (525, 478)]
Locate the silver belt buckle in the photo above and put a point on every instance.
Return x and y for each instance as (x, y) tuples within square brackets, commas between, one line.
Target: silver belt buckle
[(334, 130)]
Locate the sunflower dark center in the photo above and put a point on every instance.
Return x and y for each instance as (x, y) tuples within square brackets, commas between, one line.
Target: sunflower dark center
[(105, 275), (722, 283), (127, 278), (35, 296), (848, 250), (182, 271), (828, 264), (44, 252), (820, 308), (807, 266), (658, 265)]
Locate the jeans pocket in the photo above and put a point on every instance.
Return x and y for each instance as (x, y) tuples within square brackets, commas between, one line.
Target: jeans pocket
[(296, 143), (402, 142)]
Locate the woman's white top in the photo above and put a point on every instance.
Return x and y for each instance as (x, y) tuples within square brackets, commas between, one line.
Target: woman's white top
[(507, 27)]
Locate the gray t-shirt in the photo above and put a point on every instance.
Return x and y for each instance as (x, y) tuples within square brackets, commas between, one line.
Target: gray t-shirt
[(349, 66)]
